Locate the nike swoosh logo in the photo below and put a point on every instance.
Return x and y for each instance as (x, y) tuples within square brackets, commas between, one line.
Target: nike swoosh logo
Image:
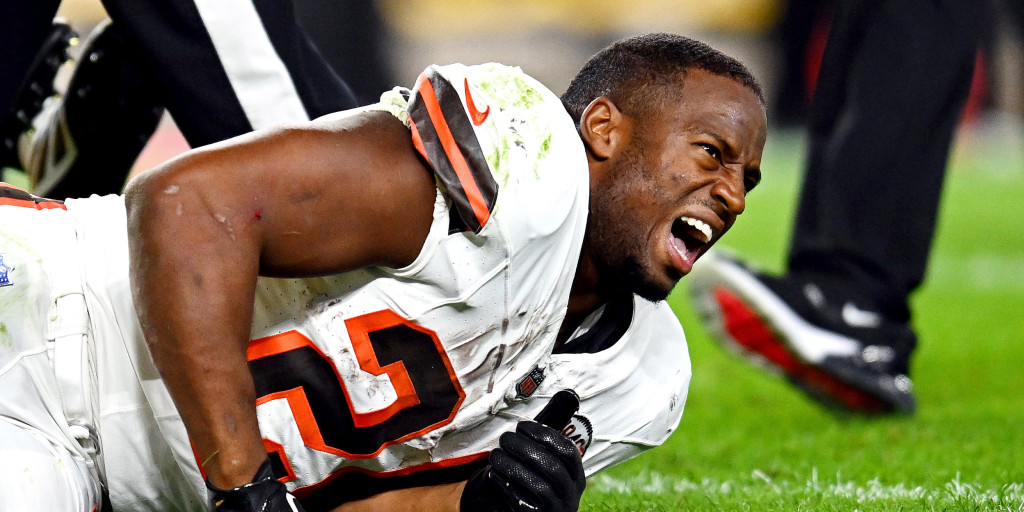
[(475, 114), (856, 317)]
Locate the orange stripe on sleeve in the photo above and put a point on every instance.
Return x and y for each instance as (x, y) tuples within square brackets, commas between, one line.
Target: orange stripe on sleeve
[(458, 161), (417, 141)]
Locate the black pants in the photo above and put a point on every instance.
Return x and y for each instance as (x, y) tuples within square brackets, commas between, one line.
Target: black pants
[(223, 67), (892, 85)]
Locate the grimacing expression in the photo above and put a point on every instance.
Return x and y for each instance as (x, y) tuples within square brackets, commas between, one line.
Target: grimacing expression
[(678, 186)]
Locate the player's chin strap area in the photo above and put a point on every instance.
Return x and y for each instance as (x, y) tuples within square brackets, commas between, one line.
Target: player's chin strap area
[(73, 357)]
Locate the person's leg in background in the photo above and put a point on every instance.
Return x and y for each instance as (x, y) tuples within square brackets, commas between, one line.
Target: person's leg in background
[(893, 81), (222, 68), (890, 94), (227, 67), (796, 34), (353, 37)]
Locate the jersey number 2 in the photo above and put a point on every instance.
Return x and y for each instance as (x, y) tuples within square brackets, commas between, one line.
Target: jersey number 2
[(289, 365)]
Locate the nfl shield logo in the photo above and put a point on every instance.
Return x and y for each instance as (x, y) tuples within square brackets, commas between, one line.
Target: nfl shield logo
[(4, 272), (529, 384)]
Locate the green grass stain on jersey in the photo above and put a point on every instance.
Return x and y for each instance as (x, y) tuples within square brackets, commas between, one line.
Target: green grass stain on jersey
[(5, 337), (529, 123), (528, 97), (511, 90), (545, 148)]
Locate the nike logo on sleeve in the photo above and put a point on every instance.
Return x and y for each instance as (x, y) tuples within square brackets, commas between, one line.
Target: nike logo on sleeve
[(475, 114)]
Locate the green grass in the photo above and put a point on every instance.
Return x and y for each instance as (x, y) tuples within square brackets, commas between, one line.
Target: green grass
[(749, 441)]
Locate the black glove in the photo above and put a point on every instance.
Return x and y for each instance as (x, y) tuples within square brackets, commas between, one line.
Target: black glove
[(535, 468), (264, 494)]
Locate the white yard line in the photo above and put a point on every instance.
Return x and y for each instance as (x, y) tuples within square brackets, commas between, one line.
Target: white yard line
[(651, 482)]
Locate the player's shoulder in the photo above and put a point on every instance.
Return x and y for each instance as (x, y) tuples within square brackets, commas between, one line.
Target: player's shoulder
[(489, 128), (497, 86), (502, 112)]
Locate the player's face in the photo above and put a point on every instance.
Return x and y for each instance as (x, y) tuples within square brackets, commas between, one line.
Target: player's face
[(677, 186)]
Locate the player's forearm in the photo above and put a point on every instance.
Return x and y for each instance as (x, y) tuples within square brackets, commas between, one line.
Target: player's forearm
[(436, 498), (193, 272)]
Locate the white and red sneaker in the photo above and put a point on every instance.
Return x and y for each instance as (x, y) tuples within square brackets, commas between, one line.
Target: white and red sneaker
[(837, 350)]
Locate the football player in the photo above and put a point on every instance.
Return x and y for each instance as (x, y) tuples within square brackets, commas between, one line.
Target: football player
[(368, 311)]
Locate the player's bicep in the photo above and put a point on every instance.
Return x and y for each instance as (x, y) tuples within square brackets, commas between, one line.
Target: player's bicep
[(356, 194), (312, 200)]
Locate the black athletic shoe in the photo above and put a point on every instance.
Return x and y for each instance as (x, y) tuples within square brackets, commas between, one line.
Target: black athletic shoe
[(831, 346), (37, 88), (87, 140)]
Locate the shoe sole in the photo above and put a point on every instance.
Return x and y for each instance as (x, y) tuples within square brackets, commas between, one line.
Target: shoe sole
[(750, 320)]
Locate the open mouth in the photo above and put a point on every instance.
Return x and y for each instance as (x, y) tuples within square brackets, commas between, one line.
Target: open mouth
[(690, 236)]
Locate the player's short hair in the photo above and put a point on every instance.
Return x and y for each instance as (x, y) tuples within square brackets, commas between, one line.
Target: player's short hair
[(632, 72)]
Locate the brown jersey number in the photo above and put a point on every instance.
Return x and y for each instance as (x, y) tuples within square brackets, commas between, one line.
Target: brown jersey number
[(290, 366)]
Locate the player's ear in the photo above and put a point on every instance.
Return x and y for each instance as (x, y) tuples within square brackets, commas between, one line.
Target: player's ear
[(604, 128)]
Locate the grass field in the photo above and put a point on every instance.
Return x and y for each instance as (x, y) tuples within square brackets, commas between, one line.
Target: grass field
[(748, 441)]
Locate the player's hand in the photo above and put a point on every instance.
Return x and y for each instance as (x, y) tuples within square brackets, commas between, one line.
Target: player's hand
[(264, 494), (535, 468)]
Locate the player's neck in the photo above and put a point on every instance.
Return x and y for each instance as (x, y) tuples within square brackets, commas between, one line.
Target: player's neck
[(585, 296), (580, 305)]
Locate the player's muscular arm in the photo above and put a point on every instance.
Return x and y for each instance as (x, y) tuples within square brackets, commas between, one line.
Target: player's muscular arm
[(298, 202)]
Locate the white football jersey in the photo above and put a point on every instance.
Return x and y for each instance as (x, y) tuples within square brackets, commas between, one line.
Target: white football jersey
[(384, 378)]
